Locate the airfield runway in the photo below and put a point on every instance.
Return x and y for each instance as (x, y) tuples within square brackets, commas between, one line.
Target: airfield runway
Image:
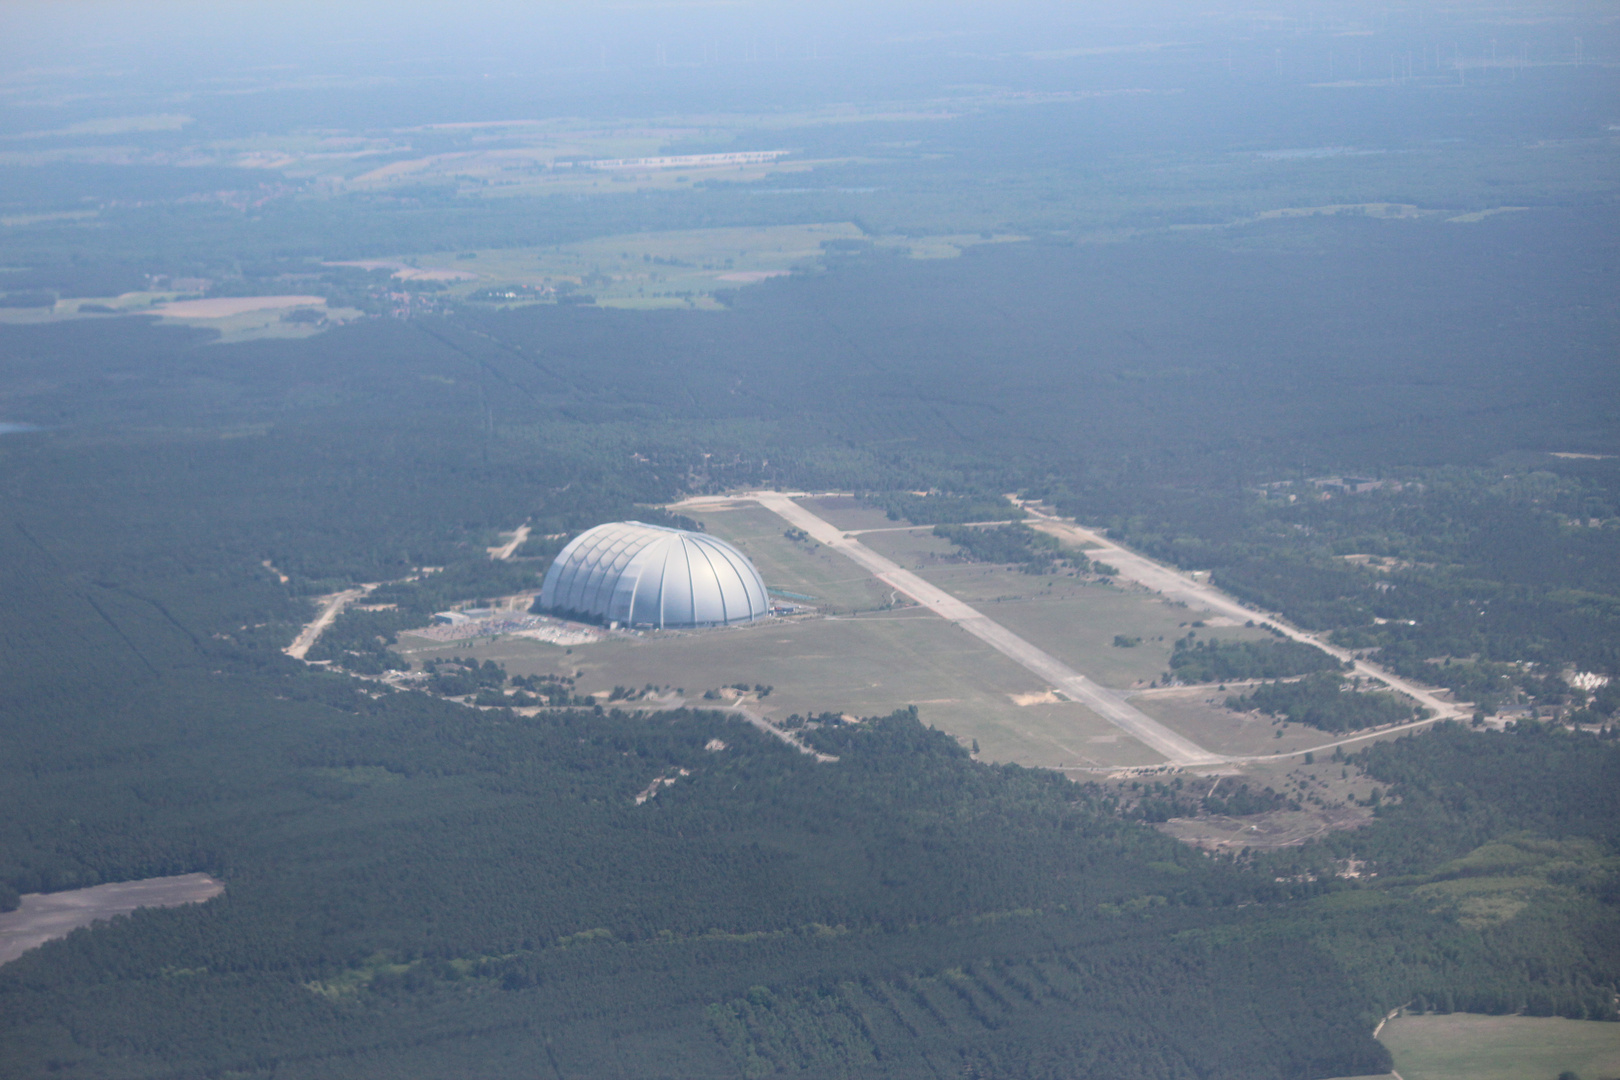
[(1104, 702), (1109, 704)]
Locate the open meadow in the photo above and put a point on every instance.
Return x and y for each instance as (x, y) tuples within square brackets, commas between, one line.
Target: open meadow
[(664, 269), (866, 665), (833, 584), (1465, 1046), (1198, 713)]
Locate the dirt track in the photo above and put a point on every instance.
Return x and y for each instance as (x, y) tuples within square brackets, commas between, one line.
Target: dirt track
[(331, 608), (508, 549), (43, 917)]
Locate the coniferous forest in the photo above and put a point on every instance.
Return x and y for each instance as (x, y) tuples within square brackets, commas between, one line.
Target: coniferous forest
[(1395, 428)]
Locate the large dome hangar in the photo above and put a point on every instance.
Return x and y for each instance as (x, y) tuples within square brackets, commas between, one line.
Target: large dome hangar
[(634, 574)]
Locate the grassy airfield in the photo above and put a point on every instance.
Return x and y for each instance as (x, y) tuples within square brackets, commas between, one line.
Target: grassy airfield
[(860, 665), (865, 650)]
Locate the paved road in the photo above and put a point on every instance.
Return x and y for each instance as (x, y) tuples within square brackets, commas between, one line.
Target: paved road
[(1104, 702), (42, 917), (1177, 586)]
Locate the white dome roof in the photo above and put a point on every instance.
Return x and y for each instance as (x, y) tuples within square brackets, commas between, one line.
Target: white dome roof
[(646, 575)]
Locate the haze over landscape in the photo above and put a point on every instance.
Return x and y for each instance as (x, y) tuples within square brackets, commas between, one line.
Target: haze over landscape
[(760, 539)]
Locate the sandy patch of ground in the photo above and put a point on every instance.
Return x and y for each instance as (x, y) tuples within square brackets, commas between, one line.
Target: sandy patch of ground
[(331, 607), (514, 624), (661, 782), (1045, 697), (506, 550), (407, 272), (43, 917), (223, 307), (752, 276), (1277, 829)]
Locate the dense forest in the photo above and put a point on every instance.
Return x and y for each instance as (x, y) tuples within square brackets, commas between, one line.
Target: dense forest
[(1033, 552), (904, 906), (1194, 659), (1243, 327), (410, 880), (1327, 701)]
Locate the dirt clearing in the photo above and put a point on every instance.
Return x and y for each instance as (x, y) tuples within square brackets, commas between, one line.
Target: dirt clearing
[(43, 917)]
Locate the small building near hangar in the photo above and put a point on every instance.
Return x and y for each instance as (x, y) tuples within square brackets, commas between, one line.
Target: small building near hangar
[(634, 574)]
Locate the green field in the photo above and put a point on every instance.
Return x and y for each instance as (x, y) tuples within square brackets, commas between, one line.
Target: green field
[(245, 326), (1463, 1046), (672, 269), (620, 271)]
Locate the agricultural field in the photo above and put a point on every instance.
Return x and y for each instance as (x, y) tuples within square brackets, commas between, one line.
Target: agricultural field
[(514, 157), (1464, 1046), (654, 269), (249, 318), (682, 268), (234, 318)]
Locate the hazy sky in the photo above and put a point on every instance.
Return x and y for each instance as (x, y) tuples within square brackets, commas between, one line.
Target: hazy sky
[(380, 37), (69, 61)]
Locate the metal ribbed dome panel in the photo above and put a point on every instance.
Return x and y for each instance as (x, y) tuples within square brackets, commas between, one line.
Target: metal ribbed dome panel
[(636, 574)]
